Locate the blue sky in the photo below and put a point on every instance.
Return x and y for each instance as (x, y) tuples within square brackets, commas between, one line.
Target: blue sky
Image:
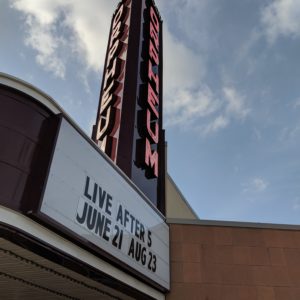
[(231, 91)]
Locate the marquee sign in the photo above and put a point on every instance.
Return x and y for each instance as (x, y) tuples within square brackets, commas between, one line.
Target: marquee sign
[(129, 120), (90, 198)]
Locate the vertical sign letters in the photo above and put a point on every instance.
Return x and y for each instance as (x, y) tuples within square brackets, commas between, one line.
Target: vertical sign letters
[(147, 154), (129, 120), (113, 83)]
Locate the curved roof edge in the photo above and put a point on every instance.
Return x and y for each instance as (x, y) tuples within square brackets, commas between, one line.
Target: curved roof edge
[(50, 103), (29, 89)]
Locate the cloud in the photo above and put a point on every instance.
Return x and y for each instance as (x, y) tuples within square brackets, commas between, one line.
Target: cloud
[(183, 68), (297, 103), (65, 31), (59, 30), (235, 103), (296, 204), (232, 106), (217, 124), (245, 51), (257, 134), (184, 14), (289, 134), (46, 46), (185, 98), (186, 106), (201, 110), (256, 185), (281, 18), (189, 101)]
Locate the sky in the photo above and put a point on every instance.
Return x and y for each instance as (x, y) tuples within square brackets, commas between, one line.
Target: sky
[(231, 91)]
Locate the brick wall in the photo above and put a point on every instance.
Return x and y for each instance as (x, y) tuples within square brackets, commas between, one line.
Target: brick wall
[(228, 263)]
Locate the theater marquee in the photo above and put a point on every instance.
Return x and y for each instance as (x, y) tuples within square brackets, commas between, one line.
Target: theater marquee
[(93, 200), (105, 196)]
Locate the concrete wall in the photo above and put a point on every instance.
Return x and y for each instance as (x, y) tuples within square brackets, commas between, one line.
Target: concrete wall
[(223, 262)]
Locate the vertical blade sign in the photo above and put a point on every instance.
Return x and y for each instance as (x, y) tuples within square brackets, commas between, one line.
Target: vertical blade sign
[(151, 157), (129, 120), (108, 122)]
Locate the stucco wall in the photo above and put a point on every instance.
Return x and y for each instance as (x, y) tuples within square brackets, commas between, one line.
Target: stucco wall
[(176, 205), (228, 263)]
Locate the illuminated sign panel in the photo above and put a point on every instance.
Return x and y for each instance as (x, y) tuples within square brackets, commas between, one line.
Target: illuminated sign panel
[(129, 121), (112, 93), (147, 156), (89, 197)]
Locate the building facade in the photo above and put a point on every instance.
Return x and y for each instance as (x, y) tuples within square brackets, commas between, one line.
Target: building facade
[(56, 242), (100, 218)]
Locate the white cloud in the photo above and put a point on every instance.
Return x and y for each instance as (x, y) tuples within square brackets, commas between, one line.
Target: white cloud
[(46, 45), (257, 134), (185, 99), (281, 17), (289, 134), (183, 68), (233, 106), (217, 124), (297, 103), (201, 110), (244, 53), (256, 185), (188, 101), (60, 29), (190, 19), (185, 106), (235, 103), (259, 184), (296, 204)]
